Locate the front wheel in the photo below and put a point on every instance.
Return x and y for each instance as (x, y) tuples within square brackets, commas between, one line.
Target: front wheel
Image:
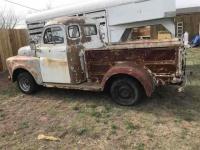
[(126, 91), (26, 83)]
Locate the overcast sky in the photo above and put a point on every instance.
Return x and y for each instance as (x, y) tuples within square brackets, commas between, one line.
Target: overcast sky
[(42, 4)]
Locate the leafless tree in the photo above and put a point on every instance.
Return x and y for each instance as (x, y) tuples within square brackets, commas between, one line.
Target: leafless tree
[(8, 19)]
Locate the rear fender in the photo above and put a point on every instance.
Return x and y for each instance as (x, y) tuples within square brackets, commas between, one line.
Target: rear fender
[(138, 72)]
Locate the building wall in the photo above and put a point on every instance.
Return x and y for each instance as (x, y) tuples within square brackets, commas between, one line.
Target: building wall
[(190, 23)]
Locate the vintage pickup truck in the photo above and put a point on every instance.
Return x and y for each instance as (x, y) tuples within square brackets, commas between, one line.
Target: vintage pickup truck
[(71, 55)]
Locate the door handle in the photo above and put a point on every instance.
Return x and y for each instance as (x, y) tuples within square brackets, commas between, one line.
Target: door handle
[(39, 50), (62, 51)]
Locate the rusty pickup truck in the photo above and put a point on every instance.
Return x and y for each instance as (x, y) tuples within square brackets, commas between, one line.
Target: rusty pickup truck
[(72, 55)]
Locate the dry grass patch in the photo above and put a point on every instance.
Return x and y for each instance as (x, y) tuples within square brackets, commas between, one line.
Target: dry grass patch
[(88, 120)]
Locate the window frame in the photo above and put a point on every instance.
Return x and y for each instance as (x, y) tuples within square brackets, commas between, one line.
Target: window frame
[(50, 27), (94, 25), (47, 28), (69, 33)]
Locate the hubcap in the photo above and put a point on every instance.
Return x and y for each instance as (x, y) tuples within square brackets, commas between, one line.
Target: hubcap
[(24, 84), (124, 92)]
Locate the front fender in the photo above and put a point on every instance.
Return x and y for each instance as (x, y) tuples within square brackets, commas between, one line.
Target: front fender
[(30, 64), (138, 72)]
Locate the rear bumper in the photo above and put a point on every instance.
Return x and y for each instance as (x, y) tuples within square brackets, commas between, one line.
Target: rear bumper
[(180, 75), (178, 81)]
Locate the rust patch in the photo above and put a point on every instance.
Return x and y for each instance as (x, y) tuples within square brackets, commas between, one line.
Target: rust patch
[(72, 42), (69, 20), (30, 64), (136, 71), (56, 63), (86, 86), (74, 20), (159, 60), (76, 71)]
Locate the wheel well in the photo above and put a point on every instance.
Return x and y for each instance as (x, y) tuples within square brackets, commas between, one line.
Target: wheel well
[(17, 72), (118, 76)]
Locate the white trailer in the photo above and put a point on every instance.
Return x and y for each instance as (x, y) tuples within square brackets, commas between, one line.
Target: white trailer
[(114, 16)]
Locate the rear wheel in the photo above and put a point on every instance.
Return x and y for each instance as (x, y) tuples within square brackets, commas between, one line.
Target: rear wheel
[(26, 83), (126, 91)]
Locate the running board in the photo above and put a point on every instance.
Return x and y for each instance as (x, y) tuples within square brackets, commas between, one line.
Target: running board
[(83, 86)]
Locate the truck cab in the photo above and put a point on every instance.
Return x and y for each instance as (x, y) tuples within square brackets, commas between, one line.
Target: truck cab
[(61, 49), (72, 55)]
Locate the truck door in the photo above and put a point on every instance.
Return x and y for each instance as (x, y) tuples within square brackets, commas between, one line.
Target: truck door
[(53, 55)]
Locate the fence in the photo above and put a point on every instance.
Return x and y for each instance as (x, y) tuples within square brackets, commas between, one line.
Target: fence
[(10, 42)]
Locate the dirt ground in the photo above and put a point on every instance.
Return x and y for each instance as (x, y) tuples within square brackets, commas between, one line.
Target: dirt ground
[(87, 120)]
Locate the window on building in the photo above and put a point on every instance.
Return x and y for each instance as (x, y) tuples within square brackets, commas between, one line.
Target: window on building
[(90, 30), (179, 29)]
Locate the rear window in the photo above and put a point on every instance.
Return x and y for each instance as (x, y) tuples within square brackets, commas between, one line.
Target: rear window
[(73, 31), (90, 30)]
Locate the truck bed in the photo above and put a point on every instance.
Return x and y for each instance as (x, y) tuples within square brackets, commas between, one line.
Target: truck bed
[(160, 57)]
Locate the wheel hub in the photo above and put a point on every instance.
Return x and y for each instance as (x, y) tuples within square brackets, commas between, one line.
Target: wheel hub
[(25, 84), (124, 92)]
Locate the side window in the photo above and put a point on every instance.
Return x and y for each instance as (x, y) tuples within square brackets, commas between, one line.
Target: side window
[(58, 35), (48, 36), (90, 30), (54, 35), (73, 31)]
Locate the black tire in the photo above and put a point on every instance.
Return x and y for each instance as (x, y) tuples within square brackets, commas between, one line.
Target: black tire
[(126, 91), (26, 83)]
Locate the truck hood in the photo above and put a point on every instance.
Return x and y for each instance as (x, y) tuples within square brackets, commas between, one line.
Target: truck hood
[(25, 51)]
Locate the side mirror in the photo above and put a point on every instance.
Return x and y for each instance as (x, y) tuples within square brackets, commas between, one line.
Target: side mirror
[(33, 45)]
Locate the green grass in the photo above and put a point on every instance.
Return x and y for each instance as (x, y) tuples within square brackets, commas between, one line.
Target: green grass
[(81, 131), (130, 127), (23, 125), (140, 146)]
